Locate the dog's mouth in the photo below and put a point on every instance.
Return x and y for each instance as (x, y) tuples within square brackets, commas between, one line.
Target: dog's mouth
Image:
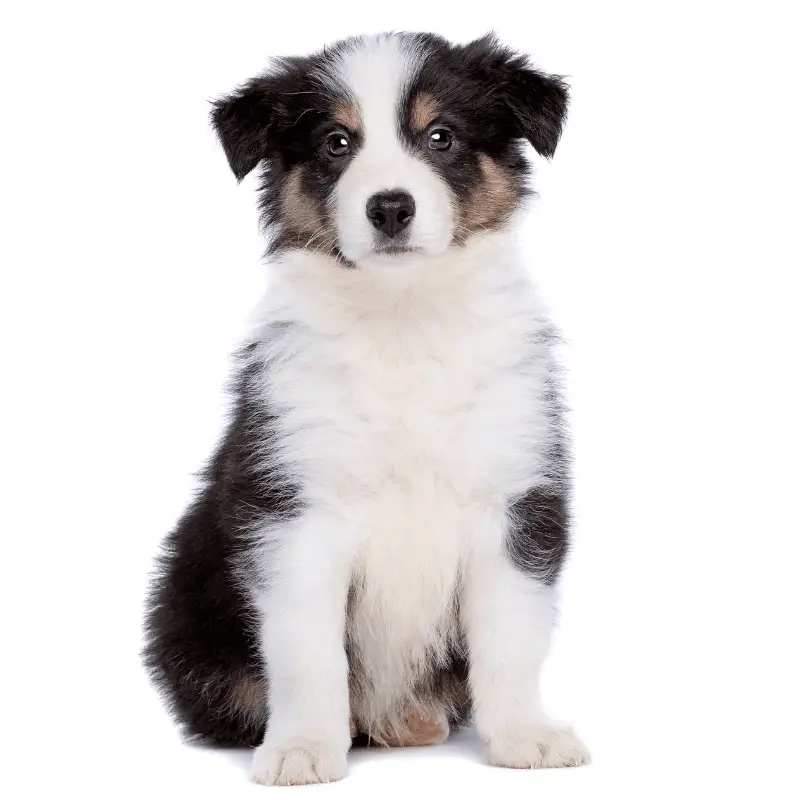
[(395, 249)]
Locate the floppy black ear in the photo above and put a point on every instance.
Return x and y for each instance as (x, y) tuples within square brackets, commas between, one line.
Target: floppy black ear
[(537, 102), (242, 122)]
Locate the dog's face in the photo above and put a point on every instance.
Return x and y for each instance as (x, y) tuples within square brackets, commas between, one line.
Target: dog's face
[(386, 145)]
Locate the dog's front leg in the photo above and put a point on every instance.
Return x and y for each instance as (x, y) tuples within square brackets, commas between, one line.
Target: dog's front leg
[(303, 615), (508, 618)]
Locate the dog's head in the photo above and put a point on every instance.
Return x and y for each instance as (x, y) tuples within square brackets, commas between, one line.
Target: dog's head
[(385, 145)]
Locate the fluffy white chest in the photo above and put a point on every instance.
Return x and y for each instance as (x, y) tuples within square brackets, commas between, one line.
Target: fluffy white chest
[(405, 461), (409, 424)]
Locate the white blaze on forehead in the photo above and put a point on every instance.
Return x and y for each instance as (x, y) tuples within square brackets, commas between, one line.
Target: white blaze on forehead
[(377, 73)]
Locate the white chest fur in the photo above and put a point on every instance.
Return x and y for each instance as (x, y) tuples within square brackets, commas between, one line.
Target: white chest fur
[(410, 406)]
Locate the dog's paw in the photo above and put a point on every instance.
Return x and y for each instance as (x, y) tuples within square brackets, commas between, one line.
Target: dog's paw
[(298, 761), (537, 746), (416, 726), (426, 727)]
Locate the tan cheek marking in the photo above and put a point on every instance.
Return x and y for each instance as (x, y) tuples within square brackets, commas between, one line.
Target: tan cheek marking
[(424, 110), (303, 218), (491, 203), (347, 116)]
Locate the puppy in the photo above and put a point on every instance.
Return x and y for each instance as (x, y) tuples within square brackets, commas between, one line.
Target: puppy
[(376, 545)]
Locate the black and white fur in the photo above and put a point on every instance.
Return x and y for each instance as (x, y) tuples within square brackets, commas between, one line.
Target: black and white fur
[(378, 538)]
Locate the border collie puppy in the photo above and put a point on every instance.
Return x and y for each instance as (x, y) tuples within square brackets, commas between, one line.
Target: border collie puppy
[(375, 549)]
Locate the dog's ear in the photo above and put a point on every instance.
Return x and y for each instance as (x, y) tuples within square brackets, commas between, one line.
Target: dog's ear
[(537, 102), (243, 122)]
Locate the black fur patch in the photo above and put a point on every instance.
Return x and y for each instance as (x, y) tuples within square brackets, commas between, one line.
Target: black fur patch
[(538, 538), (202, 651), (538, 541)]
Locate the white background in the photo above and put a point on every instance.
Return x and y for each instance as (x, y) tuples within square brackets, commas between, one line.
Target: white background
[(666, 239)]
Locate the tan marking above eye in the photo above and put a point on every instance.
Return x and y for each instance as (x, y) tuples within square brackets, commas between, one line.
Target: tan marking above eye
[(424, 110), (347, 115)]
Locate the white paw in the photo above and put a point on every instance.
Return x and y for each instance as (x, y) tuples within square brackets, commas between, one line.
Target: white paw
[(297, 761), (537, 745)]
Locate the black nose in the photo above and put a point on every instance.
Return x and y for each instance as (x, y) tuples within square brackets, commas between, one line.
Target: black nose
[(391, 212)]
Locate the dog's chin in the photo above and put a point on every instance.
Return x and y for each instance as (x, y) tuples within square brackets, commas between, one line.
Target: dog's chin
[(394, 256), (395, 250), (392, 253)]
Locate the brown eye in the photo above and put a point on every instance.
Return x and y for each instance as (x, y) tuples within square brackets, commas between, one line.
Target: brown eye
[(440, 139), (338, 145)]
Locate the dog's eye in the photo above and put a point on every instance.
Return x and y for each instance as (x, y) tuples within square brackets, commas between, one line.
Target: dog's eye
[(338, 145), (440, 139)]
